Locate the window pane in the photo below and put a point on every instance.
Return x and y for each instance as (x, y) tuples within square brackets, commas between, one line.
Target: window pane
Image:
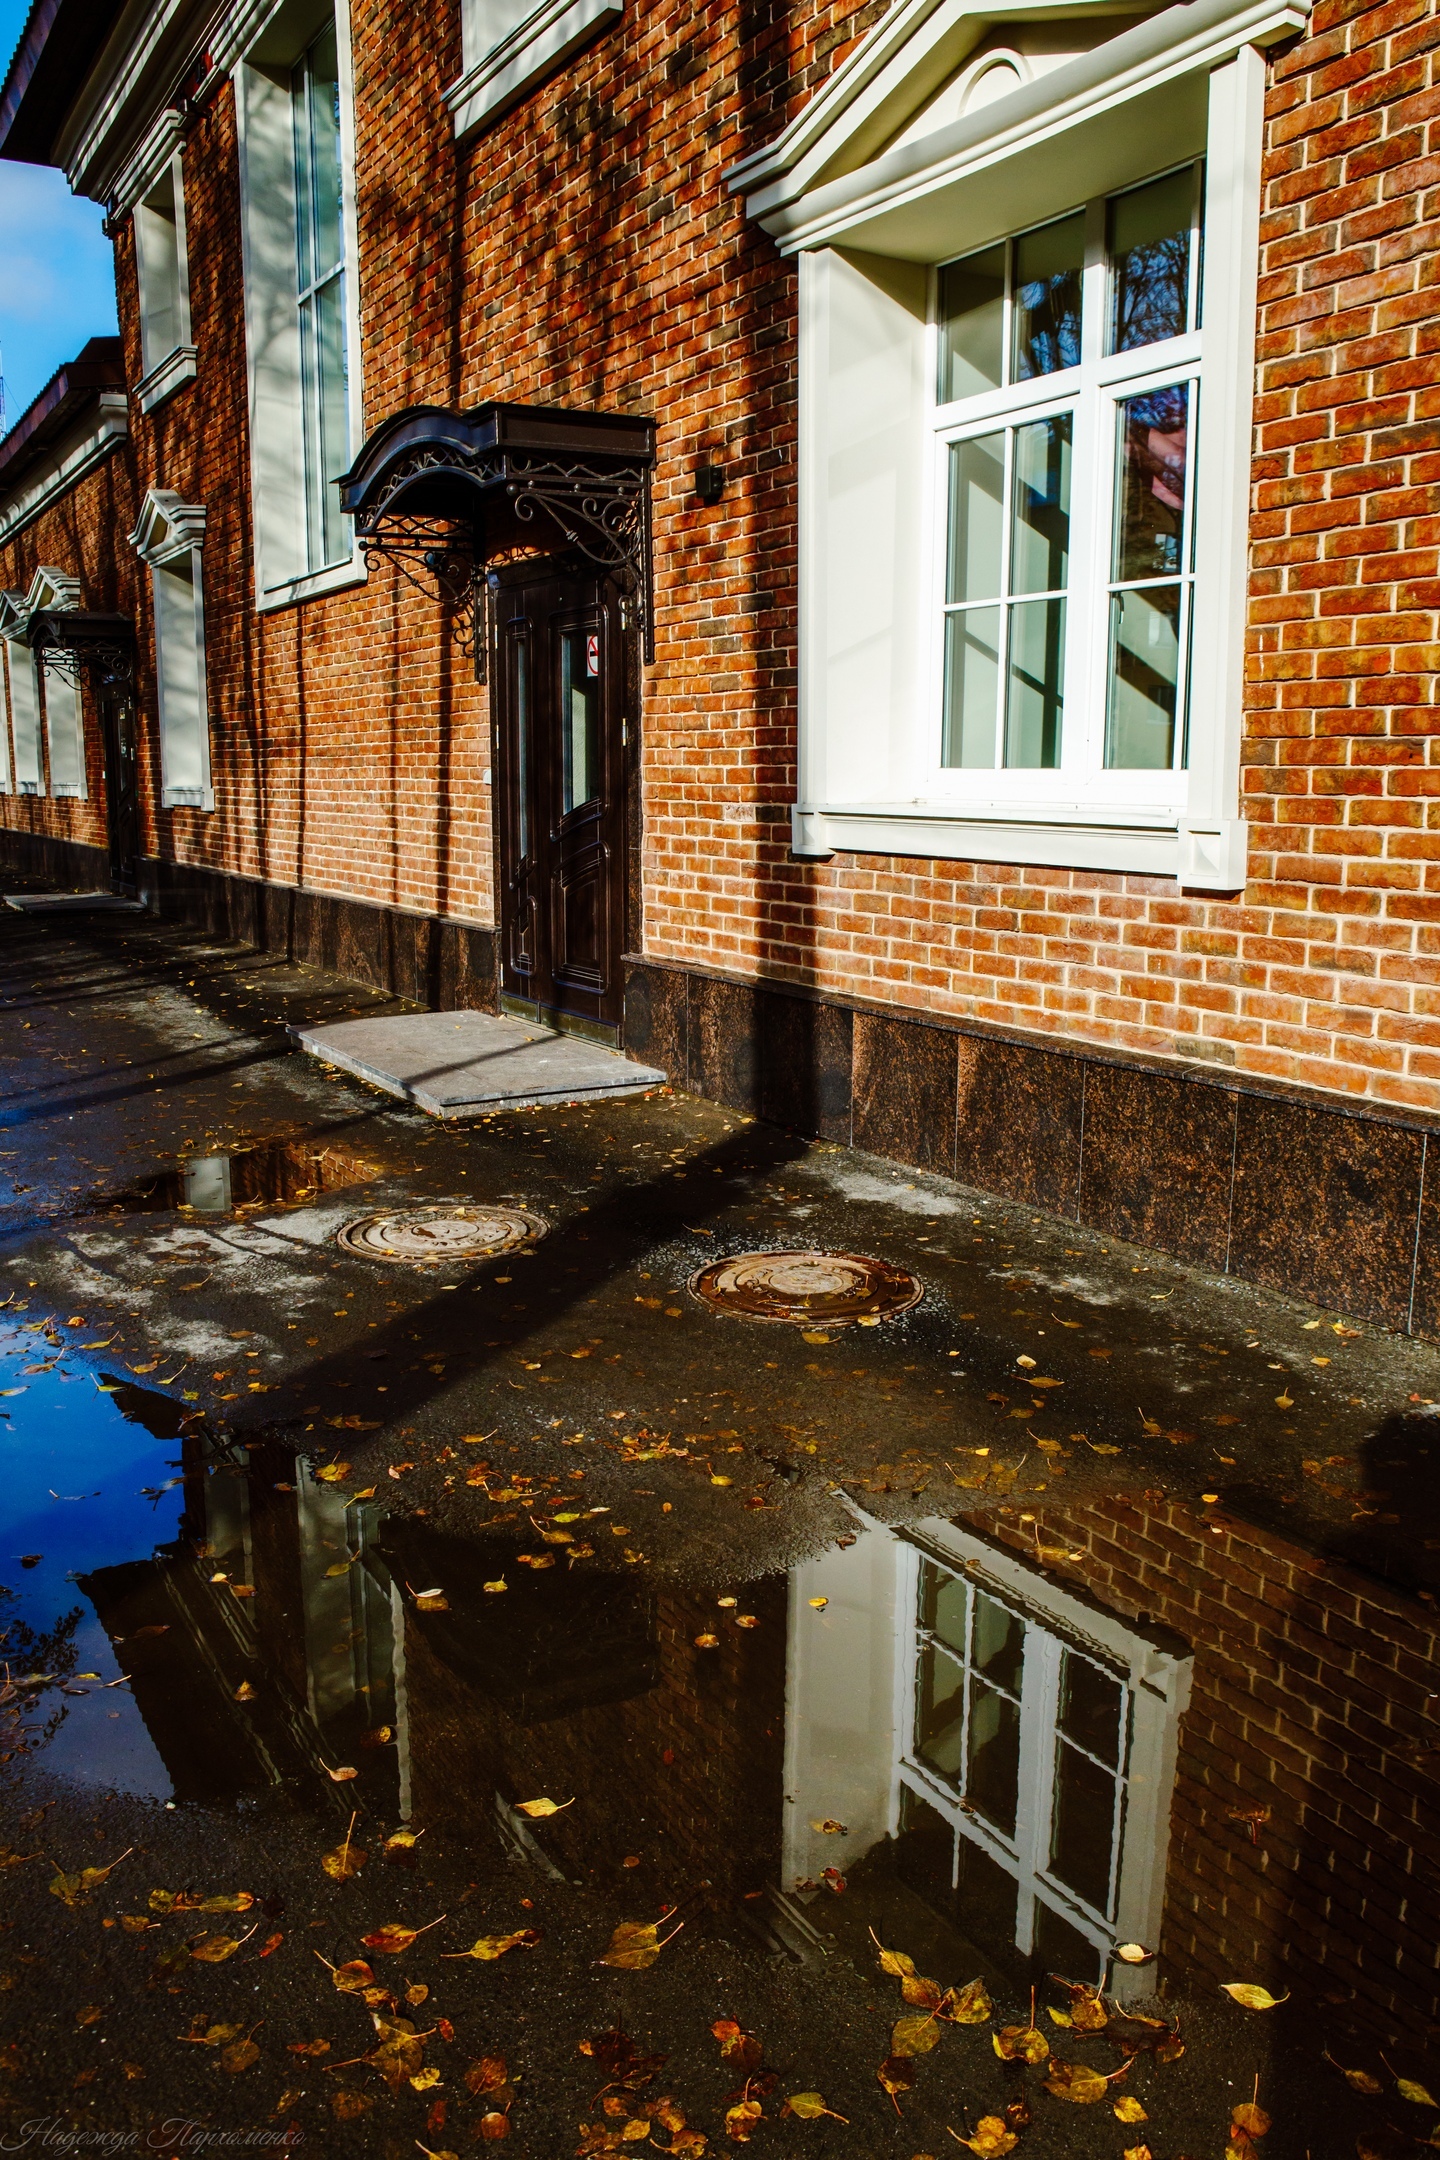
[(1046, 315), (1083, 1827), (972, 324), (992, 1780), (1150, 483), (1144, 678), (1091, 1702), (323, 71), (1040, 507), (580, 718), (332, 413), (1149, 245), (520, 653), (985, 1898), (925, 1852), (972, 687), (943, 1602), (977, 497), (999, 1643), (1061, 1948), (940, 1712), (1034, 688)]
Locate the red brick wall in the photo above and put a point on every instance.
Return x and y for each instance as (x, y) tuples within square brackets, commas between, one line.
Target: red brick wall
[(585, 251)]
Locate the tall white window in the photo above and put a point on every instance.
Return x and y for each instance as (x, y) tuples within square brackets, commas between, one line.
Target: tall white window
[(25, 716), (168, 538), (1066, 408), (64, 733), (320, 274), (162, 270), (297, 199)]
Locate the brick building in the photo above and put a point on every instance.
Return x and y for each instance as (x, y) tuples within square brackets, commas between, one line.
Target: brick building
[(944, 506)]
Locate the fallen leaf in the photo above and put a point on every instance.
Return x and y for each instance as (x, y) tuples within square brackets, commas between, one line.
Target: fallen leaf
[(536, 1808), (1409, 2090), (489, 1947), (819, 1603), (245, 1692), (1250, 1996), (707, 1642), (1021, 2043), (1129, 2110), (1133, 1953), (1255, 2122), (214, 1949), (416, 1993), (741, 2119), (810, 2106), (339, 1777), (239, 2057), (394, 1938), (896, 2075), (914, 2036), (344, 1862), (830, 1828), (332, 1474), (354, 1977), (346, 2106), (970, 2005), (487, 2075), (308, 2047), (400, 1846), (1075, 2081), (992, 2138)]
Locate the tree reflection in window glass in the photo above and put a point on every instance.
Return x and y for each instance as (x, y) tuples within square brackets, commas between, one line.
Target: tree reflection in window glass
[(1149, 247), (1045, 315), (1150, 574)]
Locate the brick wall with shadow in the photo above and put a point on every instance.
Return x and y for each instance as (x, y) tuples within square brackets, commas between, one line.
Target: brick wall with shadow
[(1326, 1199)]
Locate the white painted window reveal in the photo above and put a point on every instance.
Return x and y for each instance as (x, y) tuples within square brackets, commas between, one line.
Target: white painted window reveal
[(509, 45), (169, 540), (163, 271)]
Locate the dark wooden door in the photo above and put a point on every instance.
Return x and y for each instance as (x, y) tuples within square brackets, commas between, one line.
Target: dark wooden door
[(122, 792), (560, 751)]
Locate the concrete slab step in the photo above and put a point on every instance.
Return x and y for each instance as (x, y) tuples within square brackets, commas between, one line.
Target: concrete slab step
[(66, 903), (462, 1064)]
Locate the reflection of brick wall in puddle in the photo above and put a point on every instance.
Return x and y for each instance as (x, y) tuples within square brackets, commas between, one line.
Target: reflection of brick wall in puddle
[(709, 1814), (1309, 1698)]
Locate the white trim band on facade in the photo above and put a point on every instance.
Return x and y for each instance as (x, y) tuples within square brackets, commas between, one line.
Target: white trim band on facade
[(506, 70), (75, 457), (1208, 856)]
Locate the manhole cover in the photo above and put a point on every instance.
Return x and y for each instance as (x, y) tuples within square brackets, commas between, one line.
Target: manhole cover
[(425, 1236), (827, 1288)]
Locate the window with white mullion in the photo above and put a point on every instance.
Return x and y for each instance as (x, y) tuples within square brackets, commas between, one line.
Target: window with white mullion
[(1065, 411)]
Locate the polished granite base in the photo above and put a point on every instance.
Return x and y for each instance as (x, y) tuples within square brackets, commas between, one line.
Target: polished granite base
[(466, 1064)]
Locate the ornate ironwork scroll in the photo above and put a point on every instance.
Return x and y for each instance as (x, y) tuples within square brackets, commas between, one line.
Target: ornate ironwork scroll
[(107, 659), (602, 511)]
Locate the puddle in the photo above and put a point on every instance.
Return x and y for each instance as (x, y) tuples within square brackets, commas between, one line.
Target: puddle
[(273, 1173), (1007, 1744)]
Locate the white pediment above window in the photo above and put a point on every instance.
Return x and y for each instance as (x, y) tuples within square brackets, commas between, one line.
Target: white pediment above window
[(167, 528), (13, 614), (943, 104), (52, 589)]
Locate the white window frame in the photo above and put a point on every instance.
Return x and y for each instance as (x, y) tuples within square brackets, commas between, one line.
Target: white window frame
[(264, 104), (506, 46), (869, 232), (850, 1711), (27, 771), (169, 539), (6, 767), (162, 271), (57, 694)]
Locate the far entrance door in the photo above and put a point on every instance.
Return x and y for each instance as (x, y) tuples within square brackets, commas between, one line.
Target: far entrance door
[(560, 798), (122, 793)]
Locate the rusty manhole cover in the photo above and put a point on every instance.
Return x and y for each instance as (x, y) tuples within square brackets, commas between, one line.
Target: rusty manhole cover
[(448, 1230), (825, 1289)]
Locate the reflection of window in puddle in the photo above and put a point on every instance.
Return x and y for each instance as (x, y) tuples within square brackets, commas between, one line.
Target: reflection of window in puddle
[(1018, 1762)]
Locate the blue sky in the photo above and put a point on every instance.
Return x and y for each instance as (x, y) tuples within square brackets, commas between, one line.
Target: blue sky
[(57, 276)]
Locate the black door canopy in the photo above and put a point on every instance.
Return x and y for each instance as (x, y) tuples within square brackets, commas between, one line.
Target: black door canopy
[(448, 493)]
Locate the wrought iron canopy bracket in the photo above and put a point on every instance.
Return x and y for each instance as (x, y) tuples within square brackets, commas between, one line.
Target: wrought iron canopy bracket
[(72, 642), (524, 500)]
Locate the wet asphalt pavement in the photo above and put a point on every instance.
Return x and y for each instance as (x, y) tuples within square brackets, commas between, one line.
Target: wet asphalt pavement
[(1089, 1602)]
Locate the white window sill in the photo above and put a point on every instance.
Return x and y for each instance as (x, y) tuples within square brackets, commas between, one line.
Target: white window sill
[(69, 791), (1207, 855), (187, 798), (335, 579), (165, 377), (539, 43), (29, 787)]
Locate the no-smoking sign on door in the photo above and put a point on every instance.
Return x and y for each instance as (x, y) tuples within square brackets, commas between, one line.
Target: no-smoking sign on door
[(592, 655)]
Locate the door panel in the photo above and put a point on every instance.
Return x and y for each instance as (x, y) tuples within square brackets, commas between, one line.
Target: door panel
[(560, 756), (122, 785)]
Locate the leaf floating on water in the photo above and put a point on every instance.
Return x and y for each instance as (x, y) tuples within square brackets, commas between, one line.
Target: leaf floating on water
[(914, 2036), (394, 1938), (489, 1947), (924, 1994), (239, 2057), (537, 1808), (73, 1890), (1252, 2120), (707, 1642), (400, 1847), (970, 2005), (352, 1978), (810, 2106), (828, 1827), (896, 2075), (737, 2046), (1251, 1996), (333, 1472), (1075, 2081), (432, 1601), (1133, 1953), (214, 1949), (1021, 2043), (488, 2075), (245, 1692), (1129, 2110), (818, 1604), (345, 1862), (894, 1962), (1409, 2090), (993, 2137), (741, 2119)]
